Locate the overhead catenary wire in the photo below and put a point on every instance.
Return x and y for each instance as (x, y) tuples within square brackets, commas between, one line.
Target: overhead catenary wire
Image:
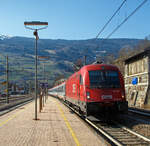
[(110, 19), (126, 19), (108, 22)]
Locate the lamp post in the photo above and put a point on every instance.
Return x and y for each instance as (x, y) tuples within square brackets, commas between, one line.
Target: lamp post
[(7, 81), (44, 59), (30, 25)]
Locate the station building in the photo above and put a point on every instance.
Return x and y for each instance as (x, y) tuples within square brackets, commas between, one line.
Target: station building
[(137, 79)]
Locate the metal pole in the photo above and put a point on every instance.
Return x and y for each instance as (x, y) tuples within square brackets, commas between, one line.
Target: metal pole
[(46, 95), (44, 72), (85, 60), (44, 81), (7, 85), (36, 77), (43, 87), (27, 25)]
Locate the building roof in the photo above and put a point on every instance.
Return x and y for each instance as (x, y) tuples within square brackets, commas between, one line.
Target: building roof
[(140, 55)]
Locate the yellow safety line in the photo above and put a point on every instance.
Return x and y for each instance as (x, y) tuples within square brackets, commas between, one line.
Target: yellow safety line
[(12, 117), (68, 125)]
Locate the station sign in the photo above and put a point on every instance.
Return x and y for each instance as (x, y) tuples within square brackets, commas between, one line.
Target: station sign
[(134, 81), (44, 85)]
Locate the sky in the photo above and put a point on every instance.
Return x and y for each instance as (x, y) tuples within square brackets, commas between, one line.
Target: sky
[(74, 19)]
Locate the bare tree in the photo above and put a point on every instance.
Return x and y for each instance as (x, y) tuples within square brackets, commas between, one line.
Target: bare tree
[(110, 59), (127, 52)]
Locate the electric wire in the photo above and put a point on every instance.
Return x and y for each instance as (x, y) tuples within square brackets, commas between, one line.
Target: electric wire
[(110, 19), (126, 19)]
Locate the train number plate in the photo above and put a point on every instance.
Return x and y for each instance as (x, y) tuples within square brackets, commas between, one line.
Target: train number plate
[(106, 96)]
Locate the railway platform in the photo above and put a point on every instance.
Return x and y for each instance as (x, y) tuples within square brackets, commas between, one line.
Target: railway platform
[(56, 126)]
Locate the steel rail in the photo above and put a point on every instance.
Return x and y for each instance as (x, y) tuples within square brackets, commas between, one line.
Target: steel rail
[(8, 109), (145, 121), (12, 99), (94, 126), (112, 133), (104, 133), (134, 133), (139, 112)]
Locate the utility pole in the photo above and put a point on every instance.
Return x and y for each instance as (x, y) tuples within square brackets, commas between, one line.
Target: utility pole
[(7, 81), (85, 60), (44, 83), (43, 72)]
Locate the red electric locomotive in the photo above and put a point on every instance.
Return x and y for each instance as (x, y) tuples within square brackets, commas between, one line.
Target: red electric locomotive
[(96, 88)]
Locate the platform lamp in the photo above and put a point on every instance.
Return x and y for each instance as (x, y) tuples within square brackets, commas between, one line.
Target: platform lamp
[(35, 25), (44, 59)]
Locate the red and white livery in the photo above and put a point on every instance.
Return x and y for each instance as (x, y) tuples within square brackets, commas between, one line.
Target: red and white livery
[(94, 88)]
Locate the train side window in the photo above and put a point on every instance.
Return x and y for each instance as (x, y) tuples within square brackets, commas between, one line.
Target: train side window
[(81, 80)]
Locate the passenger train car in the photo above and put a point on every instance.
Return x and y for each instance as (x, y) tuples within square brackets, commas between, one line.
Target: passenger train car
[(94, 88), (58, 91)]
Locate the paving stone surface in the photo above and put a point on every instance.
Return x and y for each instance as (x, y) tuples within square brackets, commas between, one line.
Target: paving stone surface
[(57, 126)]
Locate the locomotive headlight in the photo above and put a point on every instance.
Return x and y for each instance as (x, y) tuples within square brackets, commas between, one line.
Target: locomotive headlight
[(123, 95), (87, 95)]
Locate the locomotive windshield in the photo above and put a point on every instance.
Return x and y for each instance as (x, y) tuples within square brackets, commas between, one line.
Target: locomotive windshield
[(104, 79)]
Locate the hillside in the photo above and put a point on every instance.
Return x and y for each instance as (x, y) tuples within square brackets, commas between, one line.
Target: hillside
[(62, 54)]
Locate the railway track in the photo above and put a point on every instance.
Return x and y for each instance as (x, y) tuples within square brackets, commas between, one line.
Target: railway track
[(10, 107), (12, 99), (137, 121), (115, 133), (140, 112), (119, 134), (14, 102)]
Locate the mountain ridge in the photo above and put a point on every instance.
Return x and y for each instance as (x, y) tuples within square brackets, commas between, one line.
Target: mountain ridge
[(62, 53)]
